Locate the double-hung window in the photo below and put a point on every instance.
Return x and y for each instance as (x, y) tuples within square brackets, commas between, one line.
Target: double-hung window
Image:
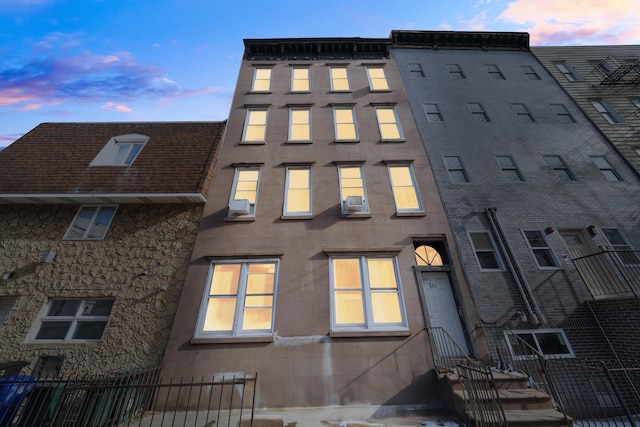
[(255, 125), (389, 124), (455, 72), (509, 168), (91, 223), (623, 249), (300, 124), (353, 190), (261, 79), (300, 79), (456, 169), (477, 112), (366, 294), (433, 112), (494, 72), (540, 248), (560, 168), (69, 320), (244, 193), (522, 113), (377, 78), (606, 111), (239, 299), (605, 167), (339, 79), (562, 113), (485, 250), (344, 121), (415, 70), (297, 199), (529, 72), (405, 189), (568, 71)]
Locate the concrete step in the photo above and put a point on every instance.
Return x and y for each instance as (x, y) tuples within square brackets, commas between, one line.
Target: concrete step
[(512, 380), (514, 399), (535, 418)]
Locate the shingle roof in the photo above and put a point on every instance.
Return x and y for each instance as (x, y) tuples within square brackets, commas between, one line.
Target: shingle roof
[(53, 158)]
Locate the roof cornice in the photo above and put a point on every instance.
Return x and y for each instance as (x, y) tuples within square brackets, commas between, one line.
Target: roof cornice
[(316, 48), (480, 40)]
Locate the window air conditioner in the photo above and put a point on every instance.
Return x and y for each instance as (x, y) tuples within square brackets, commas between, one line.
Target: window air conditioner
[(239, 207), (354, 203)]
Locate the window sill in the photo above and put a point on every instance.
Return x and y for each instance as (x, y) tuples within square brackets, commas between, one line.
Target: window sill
[(298, 142), (259, 92), (414, 214), (379, 90), (354, 334), (352, 216), (387, 141), (296, 217), (240, 219), (252, 142), (233, 340), (296, 92), (340, 91), (348, 141)]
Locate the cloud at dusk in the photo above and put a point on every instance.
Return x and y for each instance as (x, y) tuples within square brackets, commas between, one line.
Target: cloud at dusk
[(112, 106)]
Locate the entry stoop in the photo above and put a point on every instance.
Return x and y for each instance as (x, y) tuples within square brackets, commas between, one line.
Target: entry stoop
[(522, 405)]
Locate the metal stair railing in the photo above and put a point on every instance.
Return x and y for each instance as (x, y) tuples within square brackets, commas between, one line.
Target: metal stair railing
[(446, 352)]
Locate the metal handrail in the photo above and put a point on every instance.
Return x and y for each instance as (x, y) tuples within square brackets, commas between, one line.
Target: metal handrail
[(446, 352), (483, 397)]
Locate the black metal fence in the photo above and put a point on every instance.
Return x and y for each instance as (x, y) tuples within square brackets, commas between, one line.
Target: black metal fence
[(136, 398), (611, 273), (446, 353), (481, 395)]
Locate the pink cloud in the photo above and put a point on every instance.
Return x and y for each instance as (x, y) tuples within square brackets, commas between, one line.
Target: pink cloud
[(30, 107), (11, 96), (112, 106), (583, 22)]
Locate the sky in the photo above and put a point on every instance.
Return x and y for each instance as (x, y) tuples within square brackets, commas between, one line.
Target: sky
[(178, 60)]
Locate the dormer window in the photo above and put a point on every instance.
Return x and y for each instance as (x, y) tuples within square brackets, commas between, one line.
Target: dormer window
[(120, 150)]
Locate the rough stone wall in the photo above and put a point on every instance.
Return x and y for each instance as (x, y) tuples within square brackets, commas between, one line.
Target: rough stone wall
[(156, 238)]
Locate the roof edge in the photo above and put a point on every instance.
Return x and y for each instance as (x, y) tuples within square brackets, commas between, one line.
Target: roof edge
[(483, 40)]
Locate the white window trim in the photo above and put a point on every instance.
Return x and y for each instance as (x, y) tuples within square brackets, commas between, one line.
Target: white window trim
[(90, 223), (75, 320), (414, 185), (343, 199), (331, 79), (534, 332), (494, 250), (253, 80), (308, 79), (289, 137), (107, 156), (234, 187), (567, 71), (606, 111), (286, 193), (625, 246), (368, 325), (386, 80), (396, 123), (355, 124), (246, 126), (236, 331), (554, 258)]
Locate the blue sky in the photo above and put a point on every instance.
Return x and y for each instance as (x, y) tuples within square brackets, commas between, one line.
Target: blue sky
[(177, 60)]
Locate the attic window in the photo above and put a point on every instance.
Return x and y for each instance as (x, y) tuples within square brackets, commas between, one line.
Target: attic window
[(120, 150)]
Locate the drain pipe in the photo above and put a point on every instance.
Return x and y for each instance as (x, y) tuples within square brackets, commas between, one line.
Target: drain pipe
[(514, 267)]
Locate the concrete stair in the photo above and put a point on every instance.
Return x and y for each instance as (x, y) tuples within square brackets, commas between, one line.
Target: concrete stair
[(523, 406)]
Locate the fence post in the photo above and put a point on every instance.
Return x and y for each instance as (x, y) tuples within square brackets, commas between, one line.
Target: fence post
[(618, 395)]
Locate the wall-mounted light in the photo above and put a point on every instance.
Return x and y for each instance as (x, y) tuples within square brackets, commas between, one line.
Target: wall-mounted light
[(47, 257), (593, 230)]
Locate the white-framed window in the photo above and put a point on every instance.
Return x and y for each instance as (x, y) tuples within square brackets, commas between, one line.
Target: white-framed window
[(74, 320), (485, 250), (562, 113), (455, 72), (606, 111), (297, 198), (239, 299), (560, 169), (300, 124), (568, 71), (618, 242), (605, 167), (6, 303), (529, 72), (509, 168), (522, 113), (255, 125), (90, 223), (601, 66), (339, 79), (405, 189), (121, 150), (244, 192), (635, 102), (366, 294), (433, 112), (377, 78), (388, 123), (477, 112), (300, 79), (344, 122), (457, 172), (415, 70), (549, 342), (494, 72), (539, 247), (353, 190), (261, 79)]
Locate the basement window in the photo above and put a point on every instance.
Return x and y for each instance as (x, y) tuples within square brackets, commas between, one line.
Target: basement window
[(552, 343)]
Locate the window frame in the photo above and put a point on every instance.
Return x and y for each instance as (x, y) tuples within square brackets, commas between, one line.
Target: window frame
[(91, 222), (461, 168), (248, 124), (373, 80), (562, 113), (632, 258), (109, 154), (333, 79), (478, 112), (295, 68), (530, 72), (607, 170), (292, 124), (455, 71), (606, 111), (494, 72), (546, 248), (240, 296), (436, 114), (566, 175), (288, 189), (414, 186), (353, 123), (538, 347), (396, 123), (521, 111), (255, 79), (567, 71), (234, 189), (343, 197), (415, 73), (493, 250), (368, 325), (512, 167)]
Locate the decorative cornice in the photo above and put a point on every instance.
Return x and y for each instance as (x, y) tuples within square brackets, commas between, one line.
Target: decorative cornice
[(484, 40), (316, 48)]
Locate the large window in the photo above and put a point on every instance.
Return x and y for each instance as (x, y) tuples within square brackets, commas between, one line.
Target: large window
[(345, 124), (300, 124), (388, 124), (255, 125), (91, 223), (297, 199), (239, 299), (120, 150), (353, 191), (549, 342), (244, 194), (605, 167), (405, 189), (509, 168), (261, 80), (606, 111), (74, 320), (540, 248), (339, 79), (366, 294), (485, 250), (560, 168), (377, 78), (300, 79), (456, 169)]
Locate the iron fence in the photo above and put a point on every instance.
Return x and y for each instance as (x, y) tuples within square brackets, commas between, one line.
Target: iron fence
[(447, 354), (610, 273), (481, 395)]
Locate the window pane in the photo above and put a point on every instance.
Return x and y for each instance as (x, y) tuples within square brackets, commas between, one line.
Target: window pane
[(487, 260), (614, 237), (339, 80), (257, 319), (53, 330), (406, 198), (261, 279), (512, 175), (385, 307), (377, 78), (349, 309), (346, 274), (552, 343), (400, 176), (258, 301), (300, 79), (381, 273), (544, 258), (64, 307), (81, 222), (101, 223), (97, 307), (262, 79), (535, 239), (225, 279), (520, 348), (220, 314), (298, 201), (89, 330)]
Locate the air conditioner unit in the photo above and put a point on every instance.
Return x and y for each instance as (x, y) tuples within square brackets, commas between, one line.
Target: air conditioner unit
[(239, 207), (354, 203)]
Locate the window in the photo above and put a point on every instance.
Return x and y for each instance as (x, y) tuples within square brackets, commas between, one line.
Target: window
[(455, 72), (244, 194), (415, 70), (300, 124), (457, 173), (377, 78), (529, 72), (601, 66), (605, 167), (430, 253), (477, 112), (509, 168), (48, 366), (69, 320), (560, 168), (353, 190), (619, 243), (485, 250), (5, 307), (433, 112), (239, 299), (120, 150), (522, 113), (300, 79), (606, 111), (255, 125), (494, 72), (562, 113), (366, 294), (261, 80), (345, 124), (540, 248), (549, 342), (568, 71), (90, 223), (388, 123), (405, 189), (636, 102), (339, 79), (297, 199)]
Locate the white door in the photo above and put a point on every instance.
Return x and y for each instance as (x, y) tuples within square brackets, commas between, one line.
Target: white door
[(442, 311)]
